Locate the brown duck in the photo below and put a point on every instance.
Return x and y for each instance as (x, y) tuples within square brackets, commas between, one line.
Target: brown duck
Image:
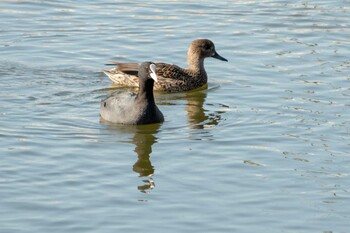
[(171, 77)]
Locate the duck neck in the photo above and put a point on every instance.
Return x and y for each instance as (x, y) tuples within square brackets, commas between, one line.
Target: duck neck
[(196, 63), (146, 91)]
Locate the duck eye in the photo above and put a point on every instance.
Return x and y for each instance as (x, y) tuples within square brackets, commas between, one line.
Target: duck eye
[(207, 47)]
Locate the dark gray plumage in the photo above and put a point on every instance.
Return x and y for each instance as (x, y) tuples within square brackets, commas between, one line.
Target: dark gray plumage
[(171, 77), (130, 108)]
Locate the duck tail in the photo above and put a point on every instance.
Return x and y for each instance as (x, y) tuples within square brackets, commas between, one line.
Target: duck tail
[(121, 79)]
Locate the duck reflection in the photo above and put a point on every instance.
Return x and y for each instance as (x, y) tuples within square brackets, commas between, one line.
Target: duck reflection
[(144, 136), (195, 109), (198, 117)]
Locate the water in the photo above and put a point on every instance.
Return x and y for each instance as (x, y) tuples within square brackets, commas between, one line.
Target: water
[(265, 148)]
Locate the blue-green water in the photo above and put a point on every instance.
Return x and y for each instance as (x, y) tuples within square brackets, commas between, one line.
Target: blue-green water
[(265, 148)]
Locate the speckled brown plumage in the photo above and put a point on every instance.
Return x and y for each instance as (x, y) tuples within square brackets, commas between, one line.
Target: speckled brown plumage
[(171, 77)]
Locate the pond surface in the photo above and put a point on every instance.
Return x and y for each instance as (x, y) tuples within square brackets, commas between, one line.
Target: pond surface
[(264, 148)]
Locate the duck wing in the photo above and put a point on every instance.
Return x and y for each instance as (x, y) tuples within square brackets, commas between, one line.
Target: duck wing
[(171, 77), (164, 70), (171, 71), (127, 68), (124, 74)]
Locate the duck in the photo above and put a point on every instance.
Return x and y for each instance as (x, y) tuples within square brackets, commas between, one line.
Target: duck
[(171, 78), (134, 108)]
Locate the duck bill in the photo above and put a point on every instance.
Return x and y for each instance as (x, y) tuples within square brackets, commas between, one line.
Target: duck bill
[(153, 74), (217, 56)]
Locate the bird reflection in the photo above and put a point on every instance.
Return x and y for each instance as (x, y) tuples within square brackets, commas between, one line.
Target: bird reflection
[(143, 139), (199, 117), (144, 136), (195, 110)]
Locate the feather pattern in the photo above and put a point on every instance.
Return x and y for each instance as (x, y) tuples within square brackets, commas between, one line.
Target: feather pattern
[(171, 78)]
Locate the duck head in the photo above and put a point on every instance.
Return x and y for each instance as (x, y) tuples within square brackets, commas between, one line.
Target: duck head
[(204, 48)]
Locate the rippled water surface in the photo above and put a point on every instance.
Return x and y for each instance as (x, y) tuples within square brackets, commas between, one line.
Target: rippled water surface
[(264, 148)]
